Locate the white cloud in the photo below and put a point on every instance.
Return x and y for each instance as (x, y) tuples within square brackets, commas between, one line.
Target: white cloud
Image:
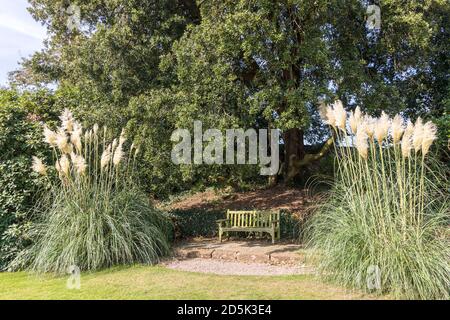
[(16, 24), (20, 35)]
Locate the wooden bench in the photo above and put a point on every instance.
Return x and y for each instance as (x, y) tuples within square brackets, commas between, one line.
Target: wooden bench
[(251, 221)]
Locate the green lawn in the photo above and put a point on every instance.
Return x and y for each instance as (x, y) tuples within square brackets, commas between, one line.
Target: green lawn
[(158, 282)]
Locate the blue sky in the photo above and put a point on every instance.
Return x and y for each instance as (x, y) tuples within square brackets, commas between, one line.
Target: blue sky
[(20, 35)]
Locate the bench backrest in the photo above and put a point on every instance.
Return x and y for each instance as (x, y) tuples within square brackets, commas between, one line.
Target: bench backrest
[(252, 219)]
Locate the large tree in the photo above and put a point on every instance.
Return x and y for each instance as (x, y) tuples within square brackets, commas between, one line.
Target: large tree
[(247, 63), (278, 59), (113, 55)]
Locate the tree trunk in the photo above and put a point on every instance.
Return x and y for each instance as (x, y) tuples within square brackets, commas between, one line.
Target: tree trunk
[(294, 151), (295, 156)]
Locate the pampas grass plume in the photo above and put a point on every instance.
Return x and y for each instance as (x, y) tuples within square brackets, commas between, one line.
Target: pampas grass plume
[(340, 115), (118, 155), (62, 141), (64, 165), (95, 129), (429, 135), (361, 140), (397, 128), (67, 120), (50, 136), (406, 144), (79, 163), (330, 117), (381, 127), (75, 137), (38, 166), (418, 135), (369, 126), (105, 157)]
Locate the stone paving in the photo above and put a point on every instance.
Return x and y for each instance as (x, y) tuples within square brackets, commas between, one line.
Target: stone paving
[(242, 251), (239, 258)]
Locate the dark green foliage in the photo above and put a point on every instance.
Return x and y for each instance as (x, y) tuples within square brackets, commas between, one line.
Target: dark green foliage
[(442, 120), (152, 122), (159, 65), (196, 222), (290, 226), (16, 195), (20, 138)]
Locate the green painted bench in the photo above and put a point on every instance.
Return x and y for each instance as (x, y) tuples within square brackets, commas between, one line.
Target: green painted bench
[(251, 221)]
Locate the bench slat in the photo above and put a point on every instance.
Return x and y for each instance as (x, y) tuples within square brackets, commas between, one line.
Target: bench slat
[(247, 229)]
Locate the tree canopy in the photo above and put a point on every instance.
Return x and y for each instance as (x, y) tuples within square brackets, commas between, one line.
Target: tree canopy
[(160, 65)]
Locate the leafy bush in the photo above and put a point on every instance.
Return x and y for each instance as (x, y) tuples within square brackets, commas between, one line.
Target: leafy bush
[(196, 222), (19, 138), (94, 216), (385, 211), (443, 142), (291, 226)]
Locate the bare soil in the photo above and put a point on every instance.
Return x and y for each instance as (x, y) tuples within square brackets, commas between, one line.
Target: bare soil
[(298, 201)]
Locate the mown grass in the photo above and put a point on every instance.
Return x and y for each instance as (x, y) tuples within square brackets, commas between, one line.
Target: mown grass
[(158, 282)]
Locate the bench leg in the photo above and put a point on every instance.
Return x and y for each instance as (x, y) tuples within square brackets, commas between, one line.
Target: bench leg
[(273, 236), (220, 234)]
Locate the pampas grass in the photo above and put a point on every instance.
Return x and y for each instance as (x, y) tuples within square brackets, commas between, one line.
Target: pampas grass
[(340, 115), (381, 128), (50, 137), (361, 142), (387, 211), (397, 129), (38, 166), (418, 135), (355, 119), (94, 216), (429, 135)]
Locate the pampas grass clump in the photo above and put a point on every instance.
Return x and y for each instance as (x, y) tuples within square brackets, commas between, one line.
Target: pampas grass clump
[(94, 216), (387, 211)]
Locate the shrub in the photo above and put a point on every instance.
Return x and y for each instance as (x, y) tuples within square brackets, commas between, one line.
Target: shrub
[(94, 216), (384, 212), (196, 222), (20, 137)]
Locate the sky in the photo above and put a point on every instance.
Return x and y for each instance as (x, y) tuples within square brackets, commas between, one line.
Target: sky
[(20, 35)]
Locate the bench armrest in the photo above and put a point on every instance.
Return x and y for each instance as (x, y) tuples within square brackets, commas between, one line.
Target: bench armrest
[(275, 221), (221, 221)]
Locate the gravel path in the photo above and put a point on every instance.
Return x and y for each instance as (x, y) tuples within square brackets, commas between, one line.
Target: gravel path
[(235, 268)]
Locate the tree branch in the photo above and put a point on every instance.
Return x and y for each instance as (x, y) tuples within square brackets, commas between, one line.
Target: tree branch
[(297, 164)]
